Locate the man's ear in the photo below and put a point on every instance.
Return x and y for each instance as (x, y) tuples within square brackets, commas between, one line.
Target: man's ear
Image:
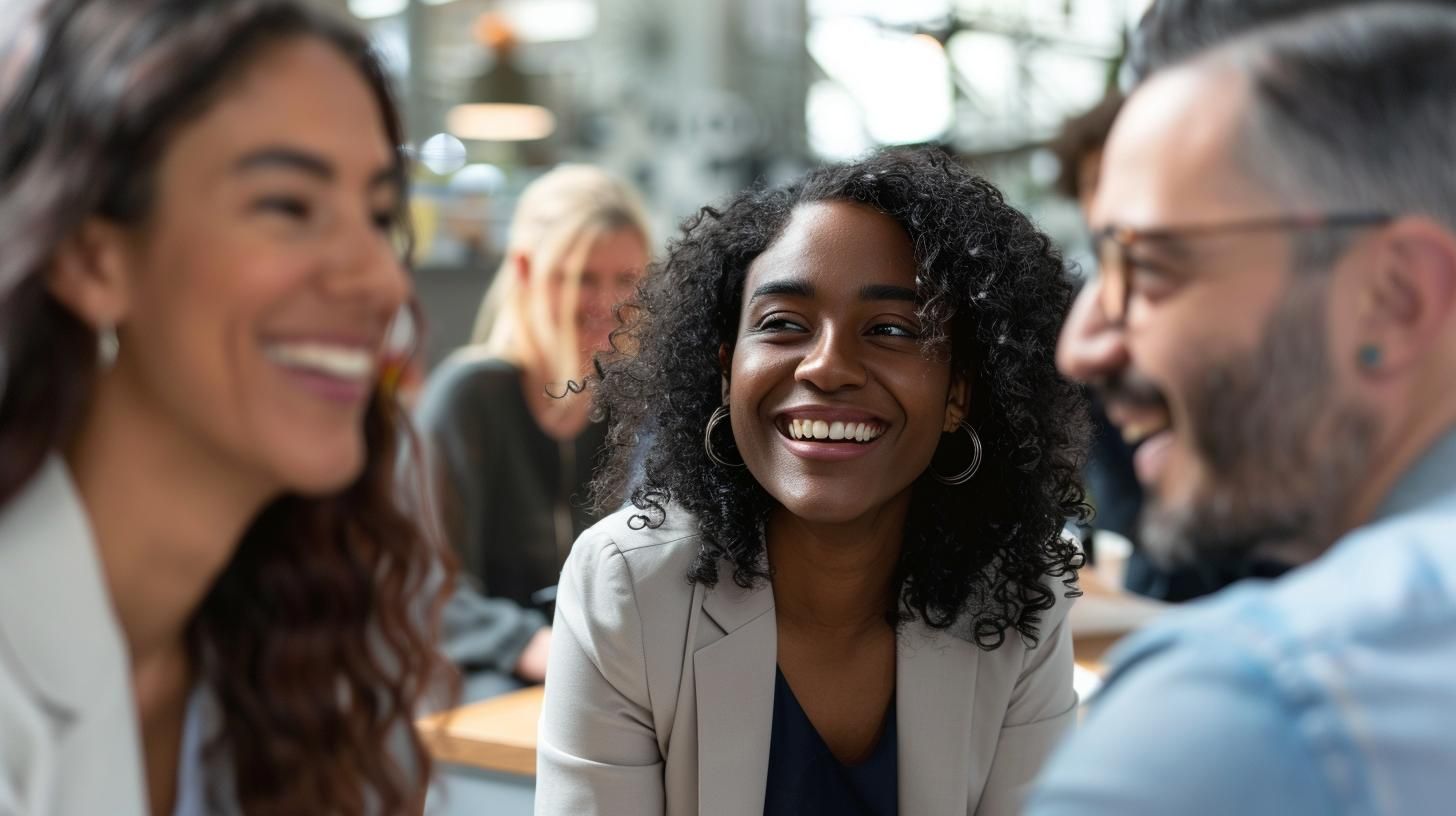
[(90, 275), (1408, 298), (957, 404), (725, 364)]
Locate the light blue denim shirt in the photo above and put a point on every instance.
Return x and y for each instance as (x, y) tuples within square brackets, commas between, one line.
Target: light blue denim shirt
[(1329, 691)]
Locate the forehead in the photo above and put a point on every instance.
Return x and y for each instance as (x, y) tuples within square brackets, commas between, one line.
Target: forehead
[(1172, 158), (301, 93), (838, 241), (617, 249)]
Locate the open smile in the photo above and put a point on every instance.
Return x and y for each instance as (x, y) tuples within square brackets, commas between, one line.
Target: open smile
[(828, 435), (1148, 430)]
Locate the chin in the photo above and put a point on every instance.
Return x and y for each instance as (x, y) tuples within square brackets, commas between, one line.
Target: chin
[(326, 473), (820, 510)]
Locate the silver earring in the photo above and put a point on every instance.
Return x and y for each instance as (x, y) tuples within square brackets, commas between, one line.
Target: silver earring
[(107, 346), (718, 416), (976, 452)]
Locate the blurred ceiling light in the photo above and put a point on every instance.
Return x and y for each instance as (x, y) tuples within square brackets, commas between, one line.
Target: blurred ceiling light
[(501, 106), (900, 13), (501, 122), (374, 9), (835, 122), (478, 179), (443, 154), (902, 83), (538, 21)]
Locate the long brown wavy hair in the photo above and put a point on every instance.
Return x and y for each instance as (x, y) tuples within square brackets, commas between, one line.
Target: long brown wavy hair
[(318, 638)]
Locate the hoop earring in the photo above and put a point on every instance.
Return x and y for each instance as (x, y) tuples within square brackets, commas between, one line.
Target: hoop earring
[(976, 453), (717, 417)]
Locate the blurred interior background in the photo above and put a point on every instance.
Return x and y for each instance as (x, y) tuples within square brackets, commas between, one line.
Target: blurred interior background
[(692, 100)]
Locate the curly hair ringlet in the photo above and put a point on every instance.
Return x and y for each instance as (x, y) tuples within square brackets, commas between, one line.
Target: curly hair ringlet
[(317, 641), (990, 283)]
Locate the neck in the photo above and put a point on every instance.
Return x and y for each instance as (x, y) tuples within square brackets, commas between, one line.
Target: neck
[(837, 578), (166, 516), (1400, 450)]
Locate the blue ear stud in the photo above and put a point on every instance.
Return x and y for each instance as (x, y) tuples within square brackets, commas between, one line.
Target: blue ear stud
[(1370, 356)]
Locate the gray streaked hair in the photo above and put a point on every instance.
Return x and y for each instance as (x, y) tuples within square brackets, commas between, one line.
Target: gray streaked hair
[(1354, 109)]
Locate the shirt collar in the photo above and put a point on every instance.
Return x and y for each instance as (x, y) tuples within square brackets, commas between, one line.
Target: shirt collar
[(1432, 479)]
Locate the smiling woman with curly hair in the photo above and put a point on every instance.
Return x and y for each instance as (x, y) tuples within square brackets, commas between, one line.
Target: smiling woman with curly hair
[(838, 586)]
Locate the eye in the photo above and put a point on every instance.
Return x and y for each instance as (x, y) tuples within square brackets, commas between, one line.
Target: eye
[(383, 220), (894, 330), (1152, 279), (778, 323), (290, 207)]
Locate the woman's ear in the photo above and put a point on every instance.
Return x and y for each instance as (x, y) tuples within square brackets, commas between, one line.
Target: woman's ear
[(89, 274), (521, 264), (957, 404), (725, 364)]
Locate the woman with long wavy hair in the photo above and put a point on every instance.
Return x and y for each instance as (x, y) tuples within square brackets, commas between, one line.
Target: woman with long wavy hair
[(210, 598), (841, 585)]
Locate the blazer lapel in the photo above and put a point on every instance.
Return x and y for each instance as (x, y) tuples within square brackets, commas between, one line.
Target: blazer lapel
[(734, 682), (935, 675)]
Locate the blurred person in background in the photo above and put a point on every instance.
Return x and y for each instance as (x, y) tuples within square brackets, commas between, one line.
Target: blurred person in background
[(1278, 224), (841, 585), (512, 458), (1111, 481), (210, 601)]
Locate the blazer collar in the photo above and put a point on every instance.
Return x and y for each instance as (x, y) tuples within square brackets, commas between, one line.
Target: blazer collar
[(731, 606), (734, 683), (935, 675), (56, 620), (935, 687)]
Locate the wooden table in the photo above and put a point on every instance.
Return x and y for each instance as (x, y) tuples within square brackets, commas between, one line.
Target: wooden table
[(498, 734)]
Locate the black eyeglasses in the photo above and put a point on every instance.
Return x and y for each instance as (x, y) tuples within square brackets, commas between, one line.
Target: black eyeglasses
[(1113, 244)]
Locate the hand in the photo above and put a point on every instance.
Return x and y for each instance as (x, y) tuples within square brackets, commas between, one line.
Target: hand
[(532, 665)]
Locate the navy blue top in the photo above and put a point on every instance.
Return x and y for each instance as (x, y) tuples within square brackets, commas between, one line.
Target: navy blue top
[(804, 778)]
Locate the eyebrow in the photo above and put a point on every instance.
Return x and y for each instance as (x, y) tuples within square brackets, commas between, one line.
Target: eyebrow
[(884, 291), (798, 288), (303, 161), (795, 288)]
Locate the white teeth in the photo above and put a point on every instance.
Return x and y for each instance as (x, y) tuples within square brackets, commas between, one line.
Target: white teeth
[(343, 362), (835, 431)]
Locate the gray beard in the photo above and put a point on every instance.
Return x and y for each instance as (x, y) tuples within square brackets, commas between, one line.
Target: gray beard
[(1284, 456)]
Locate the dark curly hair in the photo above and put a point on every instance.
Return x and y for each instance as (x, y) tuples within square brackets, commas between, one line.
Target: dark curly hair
[(990, 283), (318, 639)]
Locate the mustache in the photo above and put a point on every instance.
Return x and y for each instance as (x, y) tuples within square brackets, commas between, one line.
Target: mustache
[(1130, 388)]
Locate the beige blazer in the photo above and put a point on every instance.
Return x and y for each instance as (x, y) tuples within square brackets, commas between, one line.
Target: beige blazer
[(69, 739), (659, 695)]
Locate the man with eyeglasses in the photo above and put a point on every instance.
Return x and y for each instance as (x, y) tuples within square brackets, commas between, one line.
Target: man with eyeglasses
[(1275, 323)]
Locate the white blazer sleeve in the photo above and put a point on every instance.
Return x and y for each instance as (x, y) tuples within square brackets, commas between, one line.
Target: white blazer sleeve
[(597, 751), (26, 763), (1043, 707)]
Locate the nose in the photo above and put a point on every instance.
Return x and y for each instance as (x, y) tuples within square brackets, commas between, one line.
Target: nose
[(368, 268), (833, 363), (1090, 348)]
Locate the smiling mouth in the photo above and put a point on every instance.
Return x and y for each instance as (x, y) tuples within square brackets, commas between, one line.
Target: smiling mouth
[(1147, 428), (346, 363), (820, 430)]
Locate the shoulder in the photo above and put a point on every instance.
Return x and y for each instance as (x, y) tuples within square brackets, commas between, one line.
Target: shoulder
[(1187, 725), (623, 549), (466, 378)]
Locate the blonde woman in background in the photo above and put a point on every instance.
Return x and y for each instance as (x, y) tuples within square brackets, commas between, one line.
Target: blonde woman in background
[(512, 464)]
